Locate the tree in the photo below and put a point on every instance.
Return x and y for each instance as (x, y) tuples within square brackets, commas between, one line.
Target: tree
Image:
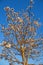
[(20, 36)]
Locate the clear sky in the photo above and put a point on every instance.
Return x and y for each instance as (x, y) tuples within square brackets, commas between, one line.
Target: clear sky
[(18, 5)]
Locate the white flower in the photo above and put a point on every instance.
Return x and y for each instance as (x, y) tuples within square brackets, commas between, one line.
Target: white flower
[(6, 8), (20, 19), (8, 45)]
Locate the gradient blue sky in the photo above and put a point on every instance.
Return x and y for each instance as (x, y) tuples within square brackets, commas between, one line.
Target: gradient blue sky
[(18, 5)]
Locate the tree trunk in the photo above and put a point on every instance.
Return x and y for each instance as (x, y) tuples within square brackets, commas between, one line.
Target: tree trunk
[(25, 62)]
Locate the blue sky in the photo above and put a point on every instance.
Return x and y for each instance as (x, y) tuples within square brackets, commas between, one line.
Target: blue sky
[(18, 5)]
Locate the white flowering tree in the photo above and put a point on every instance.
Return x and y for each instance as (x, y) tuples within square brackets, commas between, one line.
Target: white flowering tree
[(20, 37)]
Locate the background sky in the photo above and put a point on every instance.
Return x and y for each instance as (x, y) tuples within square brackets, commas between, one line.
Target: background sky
[(18, 5)]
